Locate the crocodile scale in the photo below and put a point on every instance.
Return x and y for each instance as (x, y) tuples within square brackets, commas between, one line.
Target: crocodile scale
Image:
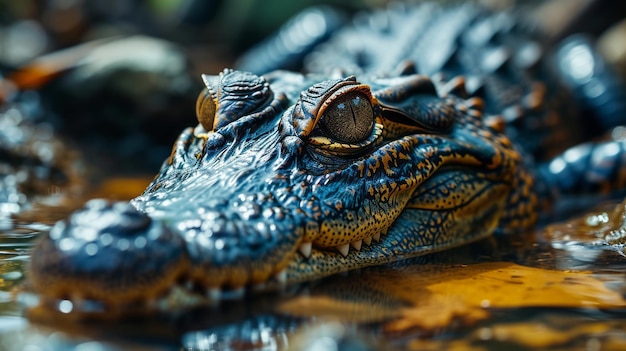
[(415, 129)]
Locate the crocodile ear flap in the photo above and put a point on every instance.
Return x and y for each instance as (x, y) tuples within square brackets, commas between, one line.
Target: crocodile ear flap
[(414, 105)]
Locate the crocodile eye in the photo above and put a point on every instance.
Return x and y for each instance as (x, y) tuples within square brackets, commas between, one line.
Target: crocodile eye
[(206, 108), (349, 119)]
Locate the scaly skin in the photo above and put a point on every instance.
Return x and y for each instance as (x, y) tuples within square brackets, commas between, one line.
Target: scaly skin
[(291, 177), (305, 161)]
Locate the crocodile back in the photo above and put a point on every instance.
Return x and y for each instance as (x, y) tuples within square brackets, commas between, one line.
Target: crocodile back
[(502, 57)]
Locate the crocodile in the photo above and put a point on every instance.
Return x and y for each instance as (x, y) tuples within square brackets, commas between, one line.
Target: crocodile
[(289, 177)]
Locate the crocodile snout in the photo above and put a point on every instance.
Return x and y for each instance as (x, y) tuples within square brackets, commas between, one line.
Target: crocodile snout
[(114, 253), (107, 251)]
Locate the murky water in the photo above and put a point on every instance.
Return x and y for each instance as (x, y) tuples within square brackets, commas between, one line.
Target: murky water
[(550, 289)]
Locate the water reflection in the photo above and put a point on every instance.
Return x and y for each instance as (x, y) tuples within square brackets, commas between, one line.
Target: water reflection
[(601, 229), (260, 333), (485, 295), (559, 286), (17, 334)]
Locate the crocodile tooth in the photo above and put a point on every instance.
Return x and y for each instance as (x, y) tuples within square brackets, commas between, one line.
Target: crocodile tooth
[(357, 244), (282, 276), (367, 240), (305, 249), (344, 249), (214, 293), (376, 237)]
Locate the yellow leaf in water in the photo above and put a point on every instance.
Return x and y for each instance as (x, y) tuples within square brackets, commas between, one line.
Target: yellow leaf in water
[(462, 292), (431, 296)]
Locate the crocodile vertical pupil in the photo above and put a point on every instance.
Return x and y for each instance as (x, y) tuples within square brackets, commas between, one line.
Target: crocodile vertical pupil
[(349, 119)]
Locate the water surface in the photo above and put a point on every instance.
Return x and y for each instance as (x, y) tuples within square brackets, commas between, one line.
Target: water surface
[(547, 289)]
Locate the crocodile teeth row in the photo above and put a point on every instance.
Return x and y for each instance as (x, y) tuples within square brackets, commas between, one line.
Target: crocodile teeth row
[(345, 249), (306, 247), (217, 294), (177, 296), (356, 245)]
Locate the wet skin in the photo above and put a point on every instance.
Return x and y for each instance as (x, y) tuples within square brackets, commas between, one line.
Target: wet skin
[(289, 178)]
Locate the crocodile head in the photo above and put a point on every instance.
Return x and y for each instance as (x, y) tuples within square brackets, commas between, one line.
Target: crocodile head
[(290, 178)]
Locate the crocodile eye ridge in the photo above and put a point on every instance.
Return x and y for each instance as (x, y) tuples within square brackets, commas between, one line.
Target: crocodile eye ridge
[(348, 119)]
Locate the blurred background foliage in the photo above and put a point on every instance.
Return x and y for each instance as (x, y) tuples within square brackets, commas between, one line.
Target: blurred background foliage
[(29, 28)]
